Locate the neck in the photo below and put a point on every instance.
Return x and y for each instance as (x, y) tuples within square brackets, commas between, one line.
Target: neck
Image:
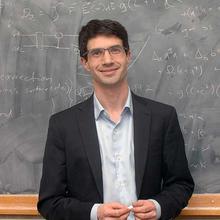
[(112, 99)]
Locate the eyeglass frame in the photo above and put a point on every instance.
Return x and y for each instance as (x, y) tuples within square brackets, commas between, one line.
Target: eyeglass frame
[(123, 49)]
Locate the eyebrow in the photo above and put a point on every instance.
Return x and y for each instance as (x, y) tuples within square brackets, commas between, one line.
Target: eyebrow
[(107, 47)]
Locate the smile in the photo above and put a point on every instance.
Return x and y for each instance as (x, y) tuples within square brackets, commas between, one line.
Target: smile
[(109, 70)]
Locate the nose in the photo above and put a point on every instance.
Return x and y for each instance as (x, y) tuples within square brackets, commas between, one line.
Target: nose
[(107, 58)]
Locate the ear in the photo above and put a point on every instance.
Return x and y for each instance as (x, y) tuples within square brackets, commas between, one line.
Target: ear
[(128, 56), (84, 63)]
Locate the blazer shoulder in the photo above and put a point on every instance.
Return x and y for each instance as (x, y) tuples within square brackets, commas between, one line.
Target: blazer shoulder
[(66, 114), (154, 106)]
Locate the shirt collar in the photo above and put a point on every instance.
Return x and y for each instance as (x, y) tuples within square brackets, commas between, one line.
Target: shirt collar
[(98, 108)]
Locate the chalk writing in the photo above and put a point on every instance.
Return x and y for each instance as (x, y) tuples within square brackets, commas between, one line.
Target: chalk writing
[(196, 11), (25, 77), (84, 91), (167, 55), (86, 7), (156, 57), (142, 89), (72, 7), (27, 14), (6, 115), (8, 91), (167, 3), (109, 6), (205, 91), (45, 41)]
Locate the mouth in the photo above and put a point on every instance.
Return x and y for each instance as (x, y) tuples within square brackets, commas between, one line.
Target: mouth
[(110, 70)]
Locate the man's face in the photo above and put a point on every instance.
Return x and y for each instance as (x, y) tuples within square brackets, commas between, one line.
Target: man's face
[(109, 68)]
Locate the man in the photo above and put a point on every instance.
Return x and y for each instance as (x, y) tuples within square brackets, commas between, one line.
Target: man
[(115, 155)]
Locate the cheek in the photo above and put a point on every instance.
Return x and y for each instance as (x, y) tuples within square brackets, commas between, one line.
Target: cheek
[(87, 66), (125, 64), (92, 65), (92, 68)]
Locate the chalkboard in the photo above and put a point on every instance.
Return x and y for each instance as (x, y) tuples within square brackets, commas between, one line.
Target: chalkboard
[(175, 46)]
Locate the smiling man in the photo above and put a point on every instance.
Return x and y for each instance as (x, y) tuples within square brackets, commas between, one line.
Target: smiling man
[(115, 155)]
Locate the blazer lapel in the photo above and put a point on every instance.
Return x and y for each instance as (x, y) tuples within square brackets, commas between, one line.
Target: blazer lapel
[(142, 123), (88, 131)]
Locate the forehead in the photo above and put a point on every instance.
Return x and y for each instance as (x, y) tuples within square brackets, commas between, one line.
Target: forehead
[(103, 42)]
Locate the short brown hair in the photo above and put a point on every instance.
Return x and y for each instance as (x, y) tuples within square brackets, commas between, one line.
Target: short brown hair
[(104, 27)]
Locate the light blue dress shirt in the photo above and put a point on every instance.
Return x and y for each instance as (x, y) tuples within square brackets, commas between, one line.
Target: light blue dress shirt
[(117, 156)]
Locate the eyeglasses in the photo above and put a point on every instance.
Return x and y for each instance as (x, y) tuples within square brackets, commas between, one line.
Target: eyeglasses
[(99, 52)]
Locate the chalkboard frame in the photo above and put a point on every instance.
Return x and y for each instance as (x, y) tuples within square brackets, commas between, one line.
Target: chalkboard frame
[(200, 205)]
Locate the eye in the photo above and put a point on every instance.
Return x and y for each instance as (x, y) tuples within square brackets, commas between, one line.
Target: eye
[(116, 49), (96, 52)]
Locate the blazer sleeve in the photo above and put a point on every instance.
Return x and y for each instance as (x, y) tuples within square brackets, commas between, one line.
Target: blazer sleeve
[(177, 185), (54, 200)]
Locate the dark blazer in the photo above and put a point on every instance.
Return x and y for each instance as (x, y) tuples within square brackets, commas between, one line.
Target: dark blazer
[(72, 176)]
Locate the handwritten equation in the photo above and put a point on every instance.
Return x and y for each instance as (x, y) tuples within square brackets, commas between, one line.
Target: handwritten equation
[(62, 8), (198, 54), (41, 40), (198, 11), (190, 90)]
